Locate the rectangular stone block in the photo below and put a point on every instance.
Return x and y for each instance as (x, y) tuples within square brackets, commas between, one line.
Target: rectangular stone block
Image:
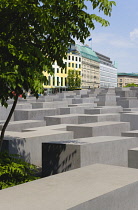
[(128, 103), (133, 158), (132, 118), (29, 144), (96, 187), (99, 129), (104, 110), (57, 104), (18, 126), (80, 119), (63, 156), (34, 114)]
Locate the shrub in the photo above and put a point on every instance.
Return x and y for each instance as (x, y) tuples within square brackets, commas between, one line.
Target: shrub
[(14, 170)]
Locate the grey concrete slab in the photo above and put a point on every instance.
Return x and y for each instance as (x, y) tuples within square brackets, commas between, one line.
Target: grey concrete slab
[(93, 187), (57, 104), (133, 158), (99, 129), (131, 109), (34, 114), (132, 118), (90, 105), (23, 106), (29, 144), (18, 126), (106, 100), (4, 112), (63, 156), (128, 103), (80, 119), (83, 100), (104, 110), (133, 133)]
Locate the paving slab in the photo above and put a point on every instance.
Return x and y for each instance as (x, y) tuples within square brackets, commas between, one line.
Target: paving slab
[(93, 187)]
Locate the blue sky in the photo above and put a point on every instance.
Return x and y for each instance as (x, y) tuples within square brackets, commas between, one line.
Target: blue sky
[(119, 41)]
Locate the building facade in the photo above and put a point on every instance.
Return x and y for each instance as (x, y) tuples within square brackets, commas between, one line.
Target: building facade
[(108, 71), (127, 78), (58, 81), (95, 70)]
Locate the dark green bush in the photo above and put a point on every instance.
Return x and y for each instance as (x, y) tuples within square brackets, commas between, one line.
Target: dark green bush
[(14, 171)]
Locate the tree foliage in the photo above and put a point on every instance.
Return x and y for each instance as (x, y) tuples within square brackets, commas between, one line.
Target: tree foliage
[(14, 171), (33, 34), (131, 85), (73, 79)]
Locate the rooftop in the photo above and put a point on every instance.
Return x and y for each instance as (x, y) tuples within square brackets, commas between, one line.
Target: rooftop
[(128, 74)]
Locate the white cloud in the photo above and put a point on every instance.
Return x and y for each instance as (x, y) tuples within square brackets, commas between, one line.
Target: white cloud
[(134, 34)]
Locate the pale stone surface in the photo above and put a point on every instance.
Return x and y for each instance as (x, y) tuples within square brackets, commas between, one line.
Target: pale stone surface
[(92, 187)]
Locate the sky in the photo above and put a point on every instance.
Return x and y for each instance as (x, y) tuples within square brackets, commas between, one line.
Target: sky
[(119, 41)]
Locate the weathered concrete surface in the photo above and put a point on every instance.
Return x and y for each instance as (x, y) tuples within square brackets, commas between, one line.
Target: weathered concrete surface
[(34, 114), (132, 118), (80, 118), (99, 129), (133, 158), (18, 126), (96, 187), (67, 155), (104, 110), (28, 144), (133, 133)]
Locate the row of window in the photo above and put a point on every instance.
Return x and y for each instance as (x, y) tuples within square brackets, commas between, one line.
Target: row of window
[(74, 58), (74, 65), (53, 82)]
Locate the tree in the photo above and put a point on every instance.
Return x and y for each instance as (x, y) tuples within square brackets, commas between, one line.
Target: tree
[(35, 33), (131, 85), (73, 79)]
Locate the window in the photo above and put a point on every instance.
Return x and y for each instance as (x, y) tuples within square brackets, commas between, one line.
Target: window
[(76, 59), (120, 80), (68, 64), (76, 65), (57, 81), (73, 58), (57, 70), (79, 65), (45, 80), (69, 57), (80, 59), (49, 80), (53, 81), (61, 71), (72, 65), (61, 81), (65, 81)]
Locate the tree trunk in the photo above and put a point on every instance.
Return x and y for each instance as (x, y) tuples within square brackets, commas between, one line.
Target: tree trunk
[(7, 121)]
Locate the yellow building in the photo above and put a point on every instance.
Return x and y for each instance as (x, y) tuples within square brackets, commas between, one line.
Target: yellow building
[(127, 78), (58, 81)]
